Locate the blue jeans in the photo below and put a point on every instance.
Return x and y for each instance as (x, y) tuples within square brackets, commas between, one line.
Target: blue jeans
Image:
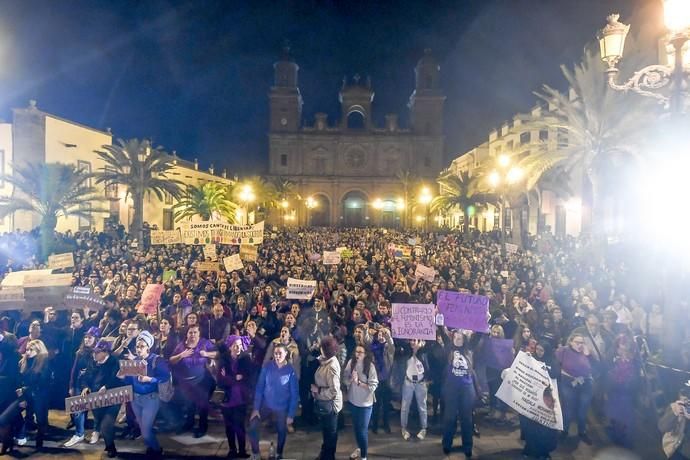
[(419, 391), (576, 401), (145, 408), (281, 427), (79, 419), (329, 434), (458, 404), (360, 423)]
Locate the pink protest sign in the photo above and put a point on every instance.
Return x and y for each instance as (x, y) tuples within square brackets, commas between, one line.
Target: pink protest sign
[(150, 299), (413, 321), (464, 311)]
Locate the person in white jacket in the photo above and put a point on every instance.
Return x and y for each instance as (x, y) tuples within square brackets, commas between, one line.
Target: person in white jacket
[(361, 381)]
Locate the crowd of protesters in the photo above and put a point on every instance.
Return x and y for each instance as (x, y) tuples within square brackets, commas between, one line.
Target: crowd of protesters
[(233, 340)]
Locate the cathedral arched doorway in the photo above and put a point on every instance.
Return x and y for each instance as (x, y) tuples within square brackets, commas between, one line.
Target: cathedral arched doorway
[(320, 215), (354, 209), (390, 213)]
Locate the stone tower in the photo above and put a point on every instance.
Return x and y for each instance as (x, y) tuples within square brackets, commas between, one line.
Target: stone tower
[(426, 101), (284, 96)]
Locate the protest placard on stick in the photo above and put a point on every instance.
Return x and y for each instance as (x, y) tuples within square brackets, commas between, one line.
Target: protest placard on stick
[(413, 321)]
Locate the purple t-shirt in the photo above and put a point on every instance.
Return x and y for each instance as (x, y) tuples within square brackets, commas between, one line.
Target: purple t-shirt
[(193, 366), (574, 363)]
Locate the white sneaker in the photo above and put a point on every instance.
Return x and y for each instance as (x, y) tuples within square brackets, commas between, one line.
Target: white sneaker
[(21, 441), (74, 440), (355, 453), (95, 436), (406, 434), (421, 435)]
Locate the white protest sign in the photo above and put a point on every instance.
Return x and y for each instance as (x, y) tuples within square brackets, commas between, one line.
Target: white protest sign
[(249, 252), (219, 232), (331, 257), (300, 289), (233, 263), (425, 273), (210, 252), (511, 248), (65, 260), (165, 237), (529, 389)]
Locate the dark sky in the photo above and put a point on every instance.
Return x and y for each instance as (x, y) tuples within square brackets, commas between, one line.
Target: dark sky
[(194, 75)]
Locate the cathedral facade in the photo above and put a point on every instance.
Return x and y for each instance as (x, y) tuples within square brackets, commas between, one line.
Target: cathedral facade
[(347, 171)]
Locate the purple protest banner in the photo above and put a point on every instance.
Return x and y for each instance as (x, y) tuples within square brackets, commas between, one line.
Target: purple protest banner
[(498, 353), (464, 311), (413, 321)]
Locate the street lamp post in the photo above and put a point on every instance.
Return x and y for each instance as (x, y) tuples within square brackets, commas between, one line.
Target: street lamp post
[(310, 203), (500, 179), (284, 206), (246, 197), (425, 198), (650, 80)]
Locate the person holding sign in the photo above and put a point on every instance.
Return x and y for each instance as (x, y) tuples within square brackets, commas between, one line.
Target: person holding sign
[(145, 387), (416, 375)]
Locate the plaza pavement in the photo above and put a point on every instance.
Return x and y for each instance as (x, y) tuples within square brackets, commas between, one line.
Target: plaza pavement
[(495, 443)]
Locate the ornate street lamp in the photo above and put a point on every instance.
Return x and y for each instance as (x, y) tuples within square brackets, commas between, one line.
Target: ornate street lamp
[(650, 80), (310, 203)]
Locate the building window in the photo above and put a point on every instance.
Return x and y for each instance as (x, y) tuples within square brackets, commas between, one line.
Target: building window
[(86, 167), (168, 198), (110, 189), (168, 219), (283, 159), (544, 135), (524, 138), (320, 165)]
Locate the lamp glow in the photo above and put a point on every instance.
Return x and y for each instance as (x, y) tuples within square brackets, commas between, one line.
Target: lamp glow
[(677, 15)]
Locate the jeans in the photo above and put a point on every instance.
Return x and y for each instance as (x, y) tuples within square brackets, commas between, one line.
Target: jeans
[(234, 427), (79, 420), (145, 408), (458, 403), (104, 419), (360, 424), (281, 427), (419, 391), (382, 405), (329, 433), (576, 402)]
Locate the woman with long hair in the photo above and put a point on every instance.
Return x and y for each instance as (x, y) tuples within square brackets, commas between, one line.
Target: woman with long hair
[(329, 399), (361, 381), (234, 369), (35, 380)]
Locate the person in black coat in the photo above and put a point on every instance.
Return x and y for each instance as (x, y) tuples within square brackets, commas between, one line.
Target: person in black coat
[(10, 404)]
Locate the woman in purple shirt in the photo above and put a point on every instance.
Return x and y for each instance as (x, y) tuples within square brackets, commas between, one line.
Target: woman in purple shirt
[(194, 381), (234, 369), (576, 384)]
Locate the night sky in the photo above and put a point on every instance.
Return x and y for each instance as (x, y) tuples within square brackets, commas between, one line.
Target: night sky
[(194, 75)]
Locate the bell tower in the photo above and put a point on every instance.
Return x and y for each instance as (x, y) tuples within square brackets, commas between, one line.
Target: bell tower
[(284, 98), (426, 101)]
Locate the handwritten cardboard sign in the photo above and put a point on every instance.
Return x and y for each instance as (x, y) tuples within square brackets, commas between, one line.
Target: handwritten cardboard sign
[(529, 390), (81, 297), (221, 233), (165, 237), (57, 261), (207, 266), (413, 321), (233, 263), (249, 252), (425, 273), (464, 311), (511, 248), (300, 289), (132, 368), (331, 257), (210, 252), (97, 400), (150, 299)]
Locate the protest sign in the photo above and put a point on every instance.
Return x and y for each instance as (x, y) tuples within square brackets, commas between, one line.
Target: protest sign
[(150, 299), (425, 273), (57, 261), (331, 257), (221, 233), (165, 237), (111, 397), (399, 251), (498, 353), (233, 263), (346, 254), (464, 311), (300, 289), (511, 248), (132, 368), (210, 252), (530, 390), (340, 249), (81, 297), (249, 252), (207, 266), (412, 241), (505, 273), (169, 275), (413, 321), (314, 257)]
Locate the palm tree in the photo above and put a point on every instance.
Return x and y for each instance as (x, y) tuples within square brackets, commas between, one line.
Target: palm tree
[(140, 168), (51, 190), (283, 191), (205, 201), (462, 191), (598, 127)]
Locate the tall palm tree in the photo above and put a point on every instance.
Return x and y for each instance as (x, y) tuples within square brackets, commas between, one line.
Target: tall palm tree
[(283, 189), (206, 201), (140, 168), (598, 127), (51, 190), (462, 191)]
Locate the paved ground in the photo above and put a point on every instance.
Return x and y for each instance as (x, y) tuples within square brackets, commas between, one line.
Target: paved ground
[(495, 443)]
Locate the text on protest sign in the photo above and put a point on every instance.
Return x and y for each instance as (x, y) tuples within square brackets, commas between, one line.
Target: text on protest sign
[(233, 263), (248, 252), (165, 237), (425, 273), (81, 297), (169, 275), (331, 257), (58, 261), (207, 266), (132, 368), (221, 233), (413, 321), (97, 400), (150, 299), (511, 248), (529, 390), (210, 252), (464, 311), (300, 289)]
